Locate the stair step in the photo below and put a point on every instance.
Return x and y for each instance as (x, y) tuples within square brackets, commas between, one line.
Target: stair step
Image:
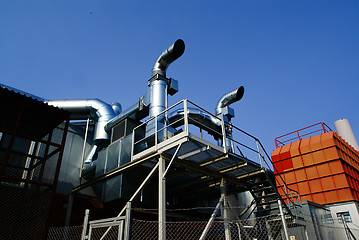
[(263, 183), (267, 196), (270, 209), (262, 189), (251, 174), (267, 203)]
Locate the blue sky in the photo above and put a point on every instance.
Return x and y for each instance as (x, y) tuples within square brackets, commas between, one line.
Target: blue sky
[(298, 60)]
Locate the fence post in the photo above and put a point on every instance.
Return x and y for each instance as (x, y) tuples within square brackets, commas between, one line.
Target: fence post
[(127, 221), (283, 220), (161, 199), (86, 222)]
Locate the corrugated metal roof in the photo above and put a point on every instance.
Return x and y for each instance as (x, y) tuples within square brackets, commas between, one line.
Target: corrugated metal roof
[(22, 92)]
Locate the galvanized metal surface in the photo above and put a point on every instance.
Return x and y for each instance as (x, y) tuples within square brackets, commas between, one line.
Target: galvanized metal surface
[(229, 98), (168, 56), (95, 109)]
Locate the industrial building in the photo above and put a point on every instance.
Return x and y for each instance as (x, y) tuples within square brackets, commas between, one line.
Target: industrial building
[(110, 171)]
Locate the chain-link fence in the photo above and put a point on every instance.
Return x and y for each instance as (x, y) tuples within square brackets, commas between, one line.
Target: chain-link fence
[(68, 233), (267, 227), (258, 228)]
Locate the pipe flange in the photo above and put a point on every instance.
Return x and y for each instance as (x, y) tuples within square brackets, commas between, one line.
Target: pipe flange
[(158, 77)]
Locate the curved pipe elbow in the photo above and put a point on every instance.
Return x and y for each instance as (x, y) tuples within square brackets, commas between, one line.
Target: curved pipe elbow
[(117, 108), (95, 109), (229, 98), (168, 56)]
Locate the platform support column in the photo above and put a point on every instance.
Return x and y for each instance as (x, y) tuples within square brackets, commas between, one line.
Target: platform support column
[(283, 220), (161, 199), (227, 231)]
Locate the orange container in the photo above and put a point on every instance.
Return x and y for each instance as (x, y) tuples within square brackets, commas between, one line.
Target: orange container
[(297, 162), (323, 169), (303, 188), (300, 175), (275, 155)]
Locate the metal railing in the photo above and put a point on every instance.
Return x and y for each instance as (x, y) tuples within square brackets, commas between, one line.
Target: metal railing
[(292, 196), (182, 123), (299, 134), (229, 137)]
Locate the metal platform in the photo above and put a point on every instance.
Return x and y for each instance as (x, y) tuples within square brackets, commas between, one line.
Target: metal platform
[(191, 162)]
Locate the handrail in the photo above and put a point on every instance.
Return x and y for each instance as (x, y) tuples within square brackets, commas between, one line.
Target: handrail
[(299, 136), (291, 195), (289, 192), (292, 190)]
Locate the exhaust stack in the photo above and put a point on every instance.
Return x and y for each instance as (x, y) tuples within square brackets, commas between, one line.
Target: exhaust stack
[(168, 56), (229, 98), (159, 83)]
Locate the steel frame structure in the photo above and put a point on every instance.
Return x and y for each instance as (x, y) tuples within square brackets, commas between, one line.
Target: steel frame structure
[(198, 162)]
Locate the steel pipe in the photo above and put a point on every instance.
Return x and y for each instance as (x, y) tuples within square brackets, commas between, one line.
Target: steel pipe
[(168, 56), (229, 98), (95, 109)]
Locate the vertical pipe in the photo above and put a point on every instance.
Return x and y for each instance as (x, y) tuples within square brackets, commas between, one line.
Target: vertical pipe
[(158, 97), (158, 105), (85, 226), (224, 135), (283, 220), (161, 199)]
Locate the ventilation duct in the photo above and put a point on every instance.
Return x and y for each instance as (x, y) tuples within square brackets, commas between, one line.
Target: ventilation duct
[(198, 118), (117, 108), (171, 54), (158, 83), (95, 109), (229, 98), (137, 111)]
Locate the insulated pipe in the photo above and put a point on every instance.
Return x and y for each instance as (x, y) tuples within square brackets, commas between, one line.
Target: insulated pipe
[(229, 98), (168, 56), (95, 109)]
